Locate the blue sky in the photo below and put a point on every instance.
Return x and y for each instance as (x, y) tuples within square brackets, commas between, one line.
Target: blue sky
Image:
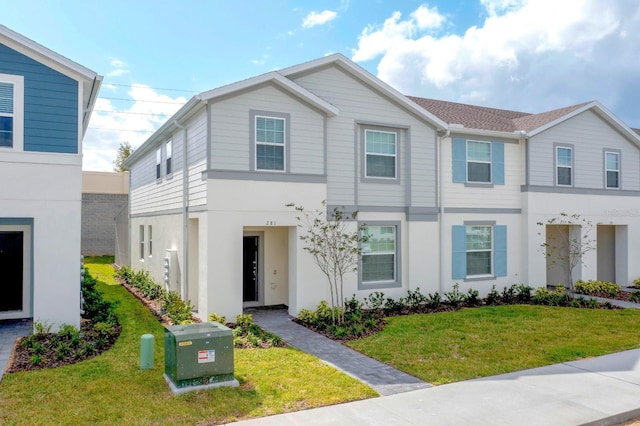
[(510, 54)]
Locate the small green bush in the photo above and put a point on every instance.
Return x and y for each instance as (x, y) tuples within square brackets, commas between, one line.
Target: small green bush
[(557, 297), (597, 288), (454, 297), (213, 317), (636, 283), (493, 298), (635, 296), (177, 309), (434, 300)]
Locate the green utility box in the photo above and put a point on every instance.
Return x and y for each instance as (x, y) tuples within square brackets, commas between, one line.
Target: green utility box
[(198, 354)]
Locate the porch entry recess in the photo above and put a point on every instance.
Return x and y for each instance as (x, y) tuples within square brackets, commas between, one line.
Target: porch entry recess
[(12, 267), (251, 270)]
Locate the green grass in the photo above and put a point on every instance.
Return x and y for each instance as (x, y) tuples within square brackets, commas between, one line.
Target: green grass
[(111, 389), (470, 343)]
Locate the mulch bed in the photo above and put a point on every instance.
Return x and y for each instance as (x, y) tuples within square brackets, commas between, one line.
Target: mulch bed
[(155, 306), (623, 295), (20, 359)]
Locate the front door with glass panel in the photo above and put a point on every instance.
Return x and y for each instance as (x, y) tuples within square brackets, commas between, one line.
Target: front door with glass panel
[(14, 286), (250, 270)]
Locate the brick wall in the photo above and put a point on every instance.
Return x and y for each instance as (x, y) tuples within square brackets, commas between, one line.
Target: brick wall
[(98, 222)]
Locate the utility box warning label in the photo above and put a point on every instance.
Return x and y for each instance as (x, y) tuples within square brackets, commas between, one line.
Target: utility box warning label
[(206, 356)]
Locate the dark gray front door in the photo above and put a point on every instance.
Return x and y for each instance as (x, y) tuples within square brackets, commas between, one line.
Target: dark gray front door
[(250, 276), (11, 249)]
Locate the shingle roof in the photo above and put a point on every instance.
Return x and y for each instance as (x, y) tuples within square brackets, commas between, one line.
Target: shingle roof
[(483, 118)]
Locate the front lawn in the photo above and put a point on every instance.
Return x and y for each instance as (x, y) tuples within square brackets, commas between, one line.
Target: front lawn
[(452, 346), (111, 389)]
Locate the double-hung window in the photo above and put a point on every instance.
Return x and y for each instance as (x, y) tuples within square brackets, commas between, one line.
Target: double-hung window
[(379, 254), (270, 143), (381, 154), (141, 242), (11, 111), (612, 169), (479, 248), (564, 165), (6, 114), (150, 238), (478, 161), (158, 162), (169, 157)]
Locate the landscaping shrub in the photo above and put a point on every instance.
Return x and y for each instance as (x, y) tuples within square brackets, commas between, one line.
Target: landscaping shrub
[(597, 288), (636, 283), (94, 306), (557, 297), (454, 297), (434, 300), (213, 317), (247, 334), (493, 298), (177, 309)]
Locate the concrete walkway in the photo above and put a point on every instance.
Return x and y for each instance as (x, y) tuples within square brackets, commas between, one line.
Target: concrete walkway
[(10, 330), (384, 379), (597, 391)]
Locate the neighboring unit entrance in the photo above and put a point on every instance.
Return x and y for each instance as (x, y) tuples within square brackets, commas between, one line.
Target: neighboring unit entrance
[(250, 270), (11, 265), (15, 264)]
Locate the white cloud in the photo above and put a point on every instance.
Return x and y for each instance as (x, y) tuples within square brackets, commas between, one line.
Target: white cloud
[(321, 18), (530, 55), (120, 68), (111, 124)]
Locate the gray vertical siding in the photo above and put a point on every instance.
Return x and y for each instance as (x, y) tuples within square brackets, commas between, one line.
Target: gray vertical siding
[(50, 104)]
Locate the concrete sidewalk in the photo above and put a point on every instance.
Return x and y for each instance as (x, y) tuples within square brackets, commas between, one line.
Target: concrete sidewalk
[(10, 330), (596, 391)]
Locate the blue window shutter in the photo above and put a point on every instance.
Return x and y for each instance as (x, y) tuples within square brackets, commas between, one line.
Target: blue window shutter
[(459, 160), (500, 250), (459, 259), (497, 163)]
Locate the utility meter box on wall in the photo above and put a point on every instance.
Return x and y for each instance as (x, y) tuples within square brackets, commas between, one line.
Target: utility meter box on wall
[(198, 354)]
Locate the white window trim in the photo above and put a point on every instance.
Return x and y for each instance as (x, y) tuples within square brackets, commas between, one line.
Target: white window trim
[(150, 240), (395, 156), (565, 167), (283, 145), (18, 111), (141, 243), (490, 163), (168, 167), (607, 170), (158, 169), (491, 250), (397, 258)]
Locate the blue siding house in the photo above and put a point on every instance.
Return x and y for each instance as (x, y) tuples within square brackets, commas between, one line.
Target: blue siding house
[(46, 101)]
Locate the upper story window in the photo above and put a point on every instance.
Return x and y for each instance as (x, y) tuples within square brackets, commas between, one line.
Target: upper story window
[(11, 111), (169, 157), (478, 161), (612, 169), (564, 166), (381, 154), (158, 162), (270, 143)]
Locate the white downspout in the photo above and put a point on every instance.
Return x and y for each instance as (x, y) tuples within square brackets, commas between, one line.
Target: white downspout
[(185, 214), (441, 199)]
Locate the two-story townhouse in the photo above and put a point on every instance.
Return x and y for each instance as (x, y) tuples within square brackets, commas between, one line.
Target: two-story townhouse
[(46, 101), (209, 189), (449, 193), (506, 175)]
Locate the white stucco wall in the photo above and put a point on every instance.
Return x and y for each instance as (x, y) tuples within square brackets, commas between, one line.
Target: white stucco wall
[(49, 194)]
